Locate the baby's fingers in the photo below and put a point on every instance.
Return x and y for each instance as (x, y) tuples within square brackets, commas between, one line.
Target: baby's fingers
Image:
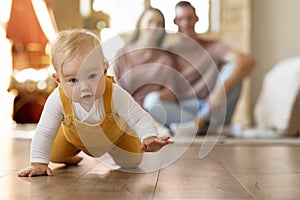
[(165, 140), (49, 172), (40, 172), (34, 171), (25, 172)]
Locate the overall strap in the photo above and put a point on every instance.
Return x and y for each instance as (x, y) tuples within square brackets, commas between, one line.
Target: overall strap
[(107, 96), (66, 103)]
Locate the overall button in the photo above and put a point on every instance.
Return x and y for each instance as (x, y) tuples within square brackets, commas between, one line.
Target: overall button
[(109, 116), (68, 121)]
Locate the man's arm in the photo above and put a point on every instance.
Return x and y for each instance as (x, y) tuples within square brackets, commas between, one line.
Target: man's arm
[(242, 68), (243, 64)]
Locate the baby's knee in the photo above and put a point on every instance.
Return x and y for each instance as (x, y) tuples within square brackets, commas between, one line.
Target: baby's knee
[(64, 158), (131, 161), (57, 159)]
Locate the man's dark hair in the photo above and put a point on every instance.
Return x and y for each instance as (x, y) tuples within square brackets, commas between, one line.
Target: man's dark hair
[(185, 4)]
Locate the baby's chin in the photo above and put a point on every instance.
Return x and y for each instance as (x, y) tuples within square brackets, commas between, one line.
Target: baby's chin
[(87, 104), (88, 99)]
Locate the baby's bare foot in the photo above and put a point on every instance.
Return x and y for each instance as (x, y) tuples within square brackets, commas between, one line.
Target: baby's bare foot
[(73, 160)]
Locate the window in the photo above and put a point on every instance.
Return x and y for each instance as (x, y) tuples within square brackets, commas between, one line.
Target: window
[(4, 11), (123, 13)]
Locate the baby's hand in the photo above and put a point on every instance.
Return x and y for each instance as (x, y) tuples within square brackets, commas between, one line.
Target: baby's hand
[(36, 169), (154, 143)]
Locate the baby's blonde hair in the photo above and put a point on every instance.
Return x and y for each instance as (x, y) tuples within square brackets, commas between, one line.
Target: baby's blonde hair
[(70, 43)]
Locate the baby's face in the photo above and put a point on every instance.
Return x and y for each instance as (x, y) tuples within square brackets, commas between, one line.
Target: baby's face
[(82, 78)]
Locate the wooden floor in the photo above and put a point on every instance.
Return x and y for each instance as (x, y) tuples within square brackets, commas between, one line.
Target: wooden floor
[(235, 169)]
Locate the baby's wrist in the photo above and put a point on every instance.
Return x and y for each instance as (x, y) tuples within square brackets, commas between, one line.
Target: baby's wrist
[(150, 137), (38, 164)]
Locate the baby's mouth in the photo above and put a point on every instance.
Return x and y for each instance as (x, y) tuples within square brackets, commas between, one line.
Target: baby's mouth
[(86, 96)]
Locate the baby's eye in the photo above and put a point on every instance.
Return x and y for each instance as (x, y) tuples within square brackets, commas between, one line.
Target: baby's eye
[(93, 76), (73, 81)]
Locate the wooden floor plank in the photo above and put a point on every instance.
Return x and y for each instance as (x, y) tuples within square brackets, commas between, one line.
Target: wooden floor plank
[(16, 188), (194, 178), (266, 172), (233, 170), (112, 185), (259, 159), (272, 186)]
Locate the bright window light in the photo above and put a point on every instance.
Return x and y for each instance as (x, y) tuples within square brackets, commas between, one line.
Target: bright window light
[(168, 9), (5, 6), (123, 14), (111, 42), (85, 8), (44, 19)]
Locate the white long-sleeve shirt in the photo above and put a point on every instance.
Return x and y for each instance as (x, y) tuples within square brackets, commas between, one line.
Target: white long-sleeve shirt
[(123, 105)]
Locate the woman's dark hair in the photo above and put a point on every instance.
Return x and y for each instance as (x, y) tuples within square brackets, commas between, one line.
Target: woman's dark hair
[(136, 33)]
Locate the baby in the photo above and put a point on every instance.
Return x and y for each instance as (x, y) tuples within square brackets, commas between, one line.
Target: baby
[(88, 112)]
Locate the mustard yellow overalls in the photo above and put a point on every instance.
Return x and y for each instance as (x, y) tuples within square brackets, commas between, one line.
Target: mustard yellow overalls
[(112, 134)]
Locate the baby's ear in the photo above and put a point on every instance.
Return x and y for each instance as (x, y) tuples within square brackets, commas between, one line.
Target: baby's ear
[(106, 66), (55, 77)]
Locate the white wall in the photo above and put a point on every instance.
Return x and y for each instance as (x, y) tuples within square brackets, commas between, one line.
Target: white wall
[(275, 36)]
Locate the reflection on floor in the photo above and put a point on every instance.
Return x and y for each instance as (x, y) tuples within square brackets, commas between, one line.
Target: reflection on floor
[(234, 169)]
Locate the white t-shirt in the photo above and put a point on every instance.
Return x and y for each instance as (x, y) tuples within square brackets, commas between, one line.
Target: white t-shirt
[(123, 104)]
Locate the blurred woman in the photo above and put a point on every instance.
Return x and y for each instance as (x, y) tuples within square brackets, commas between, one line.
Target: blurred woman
[(143, 66)]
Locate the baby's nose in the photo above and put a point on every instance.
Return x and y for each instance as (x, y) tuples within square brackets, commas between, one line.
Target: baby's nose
[(84, 86)]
